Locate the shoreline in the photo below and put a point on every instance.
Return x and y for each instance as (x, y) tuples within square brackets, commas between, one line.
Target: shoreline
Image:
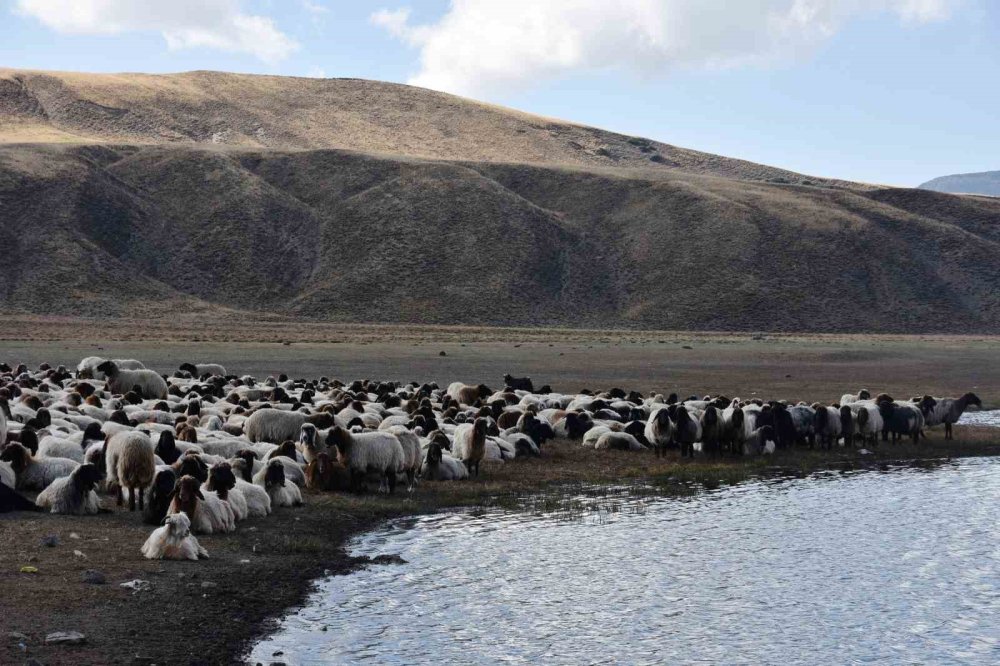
[(268, 567)]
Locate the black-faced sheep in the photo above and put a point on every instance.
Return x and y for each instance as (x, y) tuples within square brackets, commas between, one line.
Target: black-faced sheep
[(120, 381), (74, 494)]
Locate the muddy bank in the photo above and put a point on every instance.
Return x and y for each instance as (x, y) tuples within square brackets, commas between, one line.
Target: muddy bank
[(210, 612)]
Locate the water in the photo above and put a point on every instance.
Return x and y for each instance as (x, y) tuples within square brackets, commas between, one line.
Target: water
[(886, 567), (988, 418)]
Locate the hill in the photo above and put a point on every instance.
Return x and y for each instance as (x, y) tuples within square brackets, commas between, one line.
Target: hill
[(986, 182), (448, 215)]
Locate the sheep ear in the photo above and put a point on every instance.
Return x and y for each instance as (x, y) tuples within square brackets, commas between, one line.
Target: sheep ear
[(200, 496)]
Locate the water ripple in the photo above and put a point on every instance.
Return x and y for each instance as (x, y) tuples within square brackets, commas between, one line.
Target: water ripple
[(855, 568)]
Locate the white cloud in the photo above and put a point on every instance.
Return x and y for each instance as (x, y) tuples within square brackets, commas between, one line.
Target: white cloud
[(479, 46), (315, 7), (216, 24)]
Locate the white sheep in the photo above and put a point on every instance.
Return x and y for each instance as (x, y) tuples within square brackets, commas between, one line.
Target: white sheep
[(361, 453), (439, 466), (272, 479), (618, 441), (208, 513), (119, 381), (73, 494), (55, 447), (36, 473), (273, 425), (470, 444), (173, 541), (7, 475), (412, 453), (129, 461)]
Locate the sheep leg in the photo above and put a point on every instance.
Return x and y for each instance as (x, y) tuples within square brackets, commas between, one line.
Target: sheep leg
[(947, 430), (121, 496), (390, 479), (140, 499), (411, 478), (131, 499)]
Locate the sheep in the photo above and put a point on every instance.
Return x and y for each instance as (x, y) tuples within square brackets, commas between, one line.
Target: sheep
[(272, 479), (309, 445), (804, 422), (712, 430), (4, 416), (850, 398), (273, 425), (199, 370), (687, 429), (760, 441), (847, 425), (159, 496), (174, 541), (412, 453), (733, 428), (361, 453), (900, 418), (11, 500), (868, 420), (35, 473), (222, 481), (464, 394), (618, 441), (826, 424), (324, 473), (438, 466), (129, 463), (207, 512), (470, 444), (7, 475), (73, 494), (948, 411), (55, 447), (119, 381), (258, 500), (660, 430), (518, 383)]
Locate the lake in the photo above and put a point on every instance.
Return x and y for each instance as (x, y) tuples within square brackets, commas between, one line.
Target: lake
[(897, 566)]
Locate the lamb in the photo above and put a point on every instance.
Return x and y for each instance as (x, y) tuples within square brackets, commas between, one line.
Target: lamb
[(207, 512), (470, 444), (73, 494), (199, 370), (129, 463), (949, 410), (379, 452), (159, 496), (174, 541), (324, 473), (272, 479), (660, 430), (119, 381), (438, 466), (35, 473)]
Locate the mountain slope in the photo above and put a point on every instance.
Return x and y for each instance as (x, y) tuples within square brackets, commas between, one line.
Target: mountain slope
[(152, 196), (252, 111), (107, 231), (987, 182)]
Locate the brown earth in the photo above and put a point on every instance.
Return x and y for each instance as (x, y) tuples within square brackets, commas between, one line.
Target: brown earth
[(286, 552), (358, 201)]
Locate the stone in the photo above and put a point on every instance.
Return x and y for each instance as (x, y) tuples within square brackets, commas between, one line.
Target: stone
[(51, 540), (65, 638), (94, 577)]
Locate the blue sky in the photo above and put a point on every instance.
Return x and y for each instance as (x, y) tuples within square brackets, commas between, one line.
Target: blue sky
[(889, 91)]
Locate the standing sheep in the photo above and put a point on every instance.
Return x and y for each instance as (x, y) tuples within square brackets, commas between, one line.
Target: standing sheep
[(660, 430), (948, 411), (120, 382), (129, 463), (378, 452), (470, 444)]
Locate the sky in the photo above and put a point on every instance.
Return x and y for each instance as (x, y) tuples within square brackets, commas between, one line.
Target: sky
[(885, 91)]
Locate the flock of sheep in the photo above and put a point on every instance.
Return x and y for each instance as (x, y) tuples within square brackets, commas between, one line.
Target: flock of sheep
[(200, 450)]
